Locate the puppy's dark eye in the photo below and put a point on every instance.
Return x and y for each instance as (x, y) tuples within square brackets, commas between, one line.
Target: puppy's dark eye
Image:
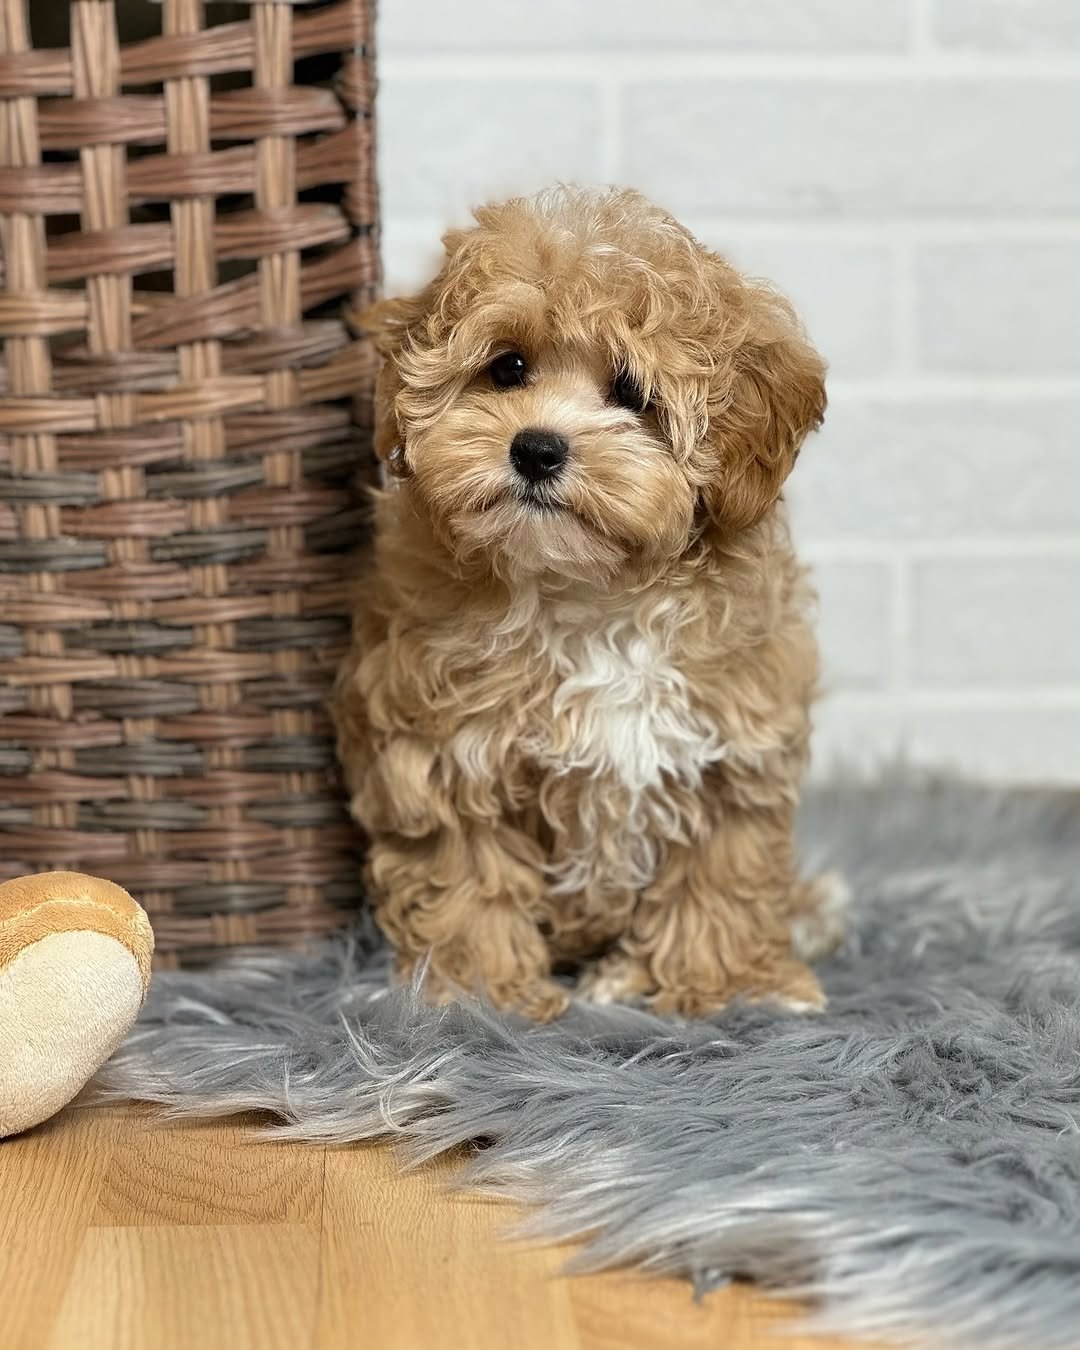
[(626, 392), (509, 370)]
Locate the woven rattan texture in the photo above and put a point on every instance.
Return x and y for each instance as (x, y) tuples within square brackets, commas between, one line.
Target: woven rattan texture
[(184, 218)]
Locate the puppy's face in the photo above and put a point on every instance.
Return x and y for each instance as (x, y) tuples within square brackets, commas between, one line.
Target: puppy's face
[(583, 382)]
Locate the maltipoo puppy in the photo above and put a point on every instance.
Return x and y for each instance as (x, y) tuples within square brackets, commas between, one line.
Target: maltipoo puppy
[(576, 712)]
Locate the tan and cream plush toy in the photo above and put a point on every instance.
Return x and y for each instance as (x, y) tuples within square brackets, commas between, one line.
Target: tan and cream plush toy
[(74, 969)]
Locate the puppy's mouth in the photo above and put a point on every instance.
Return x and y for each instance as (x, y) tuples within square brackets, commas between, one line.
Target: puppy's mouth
[(537, 500), (540, 500)]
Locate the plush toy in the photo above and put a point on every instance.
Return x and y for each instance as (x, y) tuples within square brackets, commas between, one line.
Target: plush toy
[(74, 969)]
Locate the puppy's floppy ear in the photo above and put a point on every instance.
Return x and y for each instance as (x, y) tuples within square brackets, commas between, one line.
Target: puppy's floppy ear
[(387, 324), (769, 394)]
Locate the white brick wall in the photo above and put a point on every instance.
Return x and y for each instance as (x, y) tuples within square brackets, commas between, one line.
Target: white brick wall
[(909, 172)]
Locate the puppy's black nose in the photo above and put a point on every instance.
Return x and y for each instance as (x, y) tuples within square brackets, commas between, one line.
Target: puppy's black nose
[(538, 454)]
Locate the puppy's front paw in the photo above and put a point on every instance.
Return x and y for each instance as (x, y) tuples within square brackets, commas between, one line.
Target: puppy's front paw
[(787, 985), (539, 1000), (615, 978), (804, 1002)]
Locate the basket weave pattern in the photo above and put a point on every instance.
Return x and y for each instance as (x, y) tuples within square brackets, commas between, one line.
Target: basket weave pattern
[(182, 415)]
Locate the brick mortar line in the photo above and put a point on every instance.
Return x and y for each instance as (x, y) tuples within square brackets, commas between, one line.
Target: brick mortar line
[(986, 697), (901, 626), (921, 29), (884, 230), (579, 64), (951, 388), (1024, 548)]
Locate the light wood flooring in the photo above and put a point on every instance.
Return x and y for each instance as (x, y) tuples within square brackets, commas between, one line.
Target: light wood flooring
[(120, 1232)]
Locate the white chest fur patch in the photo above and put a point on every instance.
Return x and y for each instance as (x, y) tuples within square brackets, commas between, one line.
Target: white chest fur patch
[(622, 715)]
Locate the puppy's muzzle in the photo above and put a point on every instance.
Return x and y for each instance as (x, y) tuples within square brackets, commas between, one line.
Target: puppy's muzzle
[(538, 456)]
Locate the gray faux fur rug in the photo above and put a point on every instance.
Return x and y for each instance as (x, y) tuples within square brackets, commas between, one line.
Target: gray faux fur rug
[(911, 1159)]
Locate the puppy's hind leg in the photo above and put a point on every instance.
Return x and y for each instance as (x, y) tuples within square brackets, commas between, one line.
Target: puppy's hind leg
[(820, 921)]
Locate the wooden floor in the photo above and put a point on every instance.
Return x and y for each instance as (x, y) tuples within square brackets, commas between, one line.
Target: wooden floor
[(118, 1232)]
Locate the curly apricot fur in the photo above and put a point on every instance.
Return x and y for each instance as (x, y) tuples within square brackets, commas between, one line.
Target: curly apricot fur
[(574, 720)]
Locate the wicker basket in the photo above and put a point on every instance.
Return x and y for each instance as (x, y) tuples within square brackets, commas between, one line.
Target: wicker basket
[(182, 416)]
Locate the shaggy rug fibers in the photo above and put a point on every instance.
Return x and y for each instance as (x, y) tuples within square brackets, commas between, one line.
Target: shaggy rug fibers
[(910, 1160)]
